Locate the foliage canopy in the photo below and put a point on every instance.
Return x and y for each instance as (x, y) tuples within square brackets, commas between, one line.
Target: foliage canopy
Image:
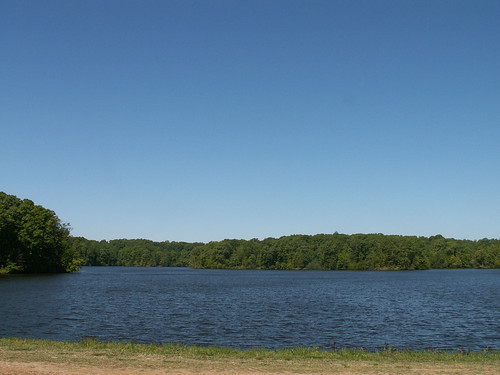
[(32, 239), (322, 251)]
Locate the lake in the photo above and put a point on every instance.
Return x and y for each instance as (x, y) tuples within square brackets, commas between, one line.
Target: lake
[(449, 309)]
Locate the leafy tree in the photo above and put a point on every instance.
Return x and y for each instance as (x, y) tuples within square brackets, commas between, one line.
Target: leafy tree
[(33, 239), (138, 252), (348, 252), (323, 251)]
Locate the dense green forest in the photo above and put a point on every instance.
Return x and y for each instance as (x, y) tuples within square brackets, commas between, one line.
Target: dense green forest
[(323, 252), (139, 252), (33, 239)]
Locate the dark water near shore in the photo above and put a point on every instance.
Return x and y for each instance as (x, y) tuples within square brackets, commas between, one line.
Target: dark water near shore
[(441, 308)]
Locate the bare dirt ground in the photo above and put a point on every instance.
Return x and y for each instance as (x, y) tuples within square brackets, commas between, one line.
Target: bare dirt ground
[(181, 366)]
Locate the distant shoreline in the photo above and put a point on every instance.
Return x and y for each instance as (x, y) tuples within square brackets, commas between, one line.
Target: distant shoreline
[(356, 252), (7, 274)]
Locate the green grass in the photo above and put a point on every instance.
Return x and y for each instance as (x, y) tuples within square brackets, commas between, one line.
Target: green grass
[(201, 352), (93, 356)]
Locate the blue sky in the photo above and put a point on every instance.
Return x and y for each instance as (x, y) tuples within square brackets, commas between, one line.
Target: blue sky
[(204, 120)]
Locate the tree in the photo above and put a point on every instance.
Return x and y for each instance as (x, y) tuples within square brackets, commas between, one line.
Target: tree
[(33, 239), (322, 251)]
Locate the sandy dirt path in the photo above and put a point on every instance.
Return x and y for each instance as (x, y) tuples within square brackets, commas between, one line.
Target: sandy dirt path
[(155, 367)]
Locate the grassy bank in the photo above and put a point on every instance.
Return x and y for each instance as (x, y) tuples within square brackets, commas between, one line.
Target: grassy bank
[(91, 356)]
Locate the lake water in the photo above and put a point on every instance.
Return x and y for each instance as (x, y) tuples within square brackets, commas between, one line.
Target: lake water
[(452, 309)]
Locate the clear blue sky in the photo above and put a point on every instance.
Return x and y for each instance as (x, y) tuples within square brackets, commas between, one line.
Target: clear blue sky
[(204, 120)]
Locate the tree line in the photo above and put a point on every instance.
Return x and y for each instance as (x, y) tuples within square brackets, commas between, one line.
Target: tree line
[(297, 252), (135, 253), (34, 240)]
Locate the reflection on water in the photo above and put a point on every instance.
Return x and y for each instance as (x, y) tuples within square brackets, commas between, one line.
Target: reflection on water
[(242, 309)]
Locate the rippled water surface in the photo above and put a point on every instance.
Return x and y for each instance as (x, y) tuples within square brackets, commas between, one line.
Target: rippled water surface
[(242, 309)]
